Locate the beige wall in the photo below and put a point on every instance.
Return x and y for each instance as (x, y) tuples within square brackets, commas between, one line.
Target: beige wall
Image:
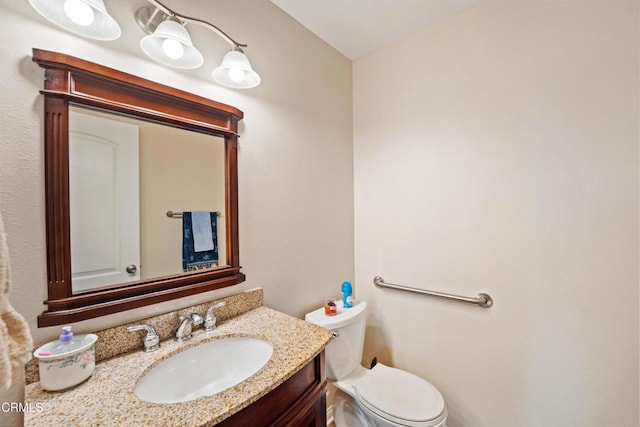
[(295, 150), (497, 151)]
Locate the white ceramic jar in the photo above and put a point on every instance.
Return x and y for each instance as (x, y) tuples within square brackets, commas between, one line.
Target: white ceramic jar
[(64, 365)]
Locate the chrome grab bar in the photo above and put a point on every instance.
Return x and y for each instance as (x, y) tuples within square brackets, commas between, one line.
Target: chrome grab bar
[(482, 300)]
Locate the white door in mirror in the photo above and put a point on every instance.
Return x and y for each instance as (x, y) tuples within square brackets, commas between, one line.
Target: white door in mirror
[(104, 199)]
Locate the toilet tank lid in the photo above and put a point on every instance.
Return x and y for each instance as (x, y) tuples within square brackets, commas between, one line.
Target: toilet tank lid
[(344, 316)]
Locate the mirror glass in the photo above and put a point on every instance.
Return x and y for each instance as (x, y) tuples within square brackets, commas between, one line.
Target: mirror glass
[(129, 183)]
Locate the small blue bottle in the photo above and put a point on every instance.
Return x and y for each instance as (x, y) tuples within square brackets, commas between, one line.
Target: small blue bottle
[(347, 295)]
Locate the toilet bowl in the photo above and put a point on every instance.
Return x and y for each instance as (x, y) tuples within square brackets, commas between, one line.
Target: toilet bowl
[(381, 396)]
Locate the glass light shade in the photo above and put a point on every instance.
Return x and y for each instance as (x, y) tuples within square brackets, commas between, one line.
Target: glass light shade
[(161, 46), (102, 27), (235, 71)]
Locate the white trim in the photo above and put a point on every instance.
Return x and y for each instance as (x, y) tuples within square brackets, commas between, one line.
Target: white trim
[(329, 415)]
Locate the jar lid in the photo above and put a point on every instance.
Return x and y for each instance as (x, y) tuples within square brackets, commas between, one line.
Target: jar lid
[(56, 349)]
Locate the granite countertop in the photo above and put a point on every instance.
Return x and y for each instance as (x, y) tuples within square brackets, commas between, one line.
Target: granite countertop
[(107, 397)]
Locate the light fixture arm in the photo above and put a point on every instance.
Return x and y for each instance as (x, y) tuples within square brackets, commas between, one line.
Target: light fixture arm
[(200, 22)]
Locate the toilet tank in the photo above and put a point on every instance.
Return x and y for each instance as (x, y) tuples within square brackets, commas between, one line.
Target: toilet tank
[(344, 352)]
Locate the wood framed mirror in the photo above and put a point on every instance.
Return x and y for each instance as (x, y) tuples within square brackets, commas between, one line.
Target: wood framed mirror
[(73, 86)]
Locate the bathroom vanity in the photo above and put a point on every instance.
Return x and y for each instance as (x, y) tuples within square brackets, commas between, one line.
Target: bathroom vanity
[(289, 390)]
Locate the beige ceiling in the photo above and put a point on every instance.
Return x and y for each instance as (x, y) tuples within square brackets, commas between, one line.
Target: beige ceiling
[(357, 27)]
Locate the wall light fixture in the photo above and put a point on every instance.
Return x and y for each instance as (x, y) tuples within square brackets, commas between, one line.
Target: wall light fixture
[(167, 40)]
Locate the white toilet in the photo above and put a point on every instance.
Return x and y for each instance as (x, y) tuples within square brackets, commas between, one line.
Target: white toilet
[(378, 397)]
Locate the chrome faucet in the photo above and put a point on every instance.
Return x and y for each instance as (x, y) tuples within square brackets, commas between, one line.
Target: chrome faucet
[(210, 318), (183, 331), (151, 340)]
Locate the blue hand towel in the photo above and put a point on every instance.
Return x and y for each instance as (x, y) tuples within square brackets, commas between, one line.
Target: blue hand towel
[(191, 259)]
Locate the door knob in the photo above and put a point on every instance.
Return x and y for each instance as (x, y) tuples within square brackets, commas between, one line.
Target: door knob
[(131, 268)]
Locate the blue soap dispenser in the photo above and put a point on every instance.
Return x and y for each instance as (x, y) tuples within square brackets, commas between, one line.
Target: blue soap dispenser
[(347, 295)]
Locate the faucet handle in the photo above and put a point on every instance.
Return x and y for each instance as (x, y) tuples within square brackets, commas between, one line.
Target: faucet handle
[(210, 318), (151, 340)]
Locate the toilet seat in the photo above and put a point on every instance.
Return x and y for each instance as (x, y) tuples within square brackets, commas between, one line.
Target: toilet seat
[(400, 397)]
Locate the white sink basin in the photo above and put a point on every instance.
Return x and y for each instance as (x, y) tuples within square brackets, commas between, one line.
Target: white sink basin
[(204, 370)]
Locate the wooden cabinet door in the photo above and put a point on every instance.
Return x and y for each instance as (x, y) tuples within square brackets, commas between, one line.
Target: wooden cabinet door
[(313, 414)]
